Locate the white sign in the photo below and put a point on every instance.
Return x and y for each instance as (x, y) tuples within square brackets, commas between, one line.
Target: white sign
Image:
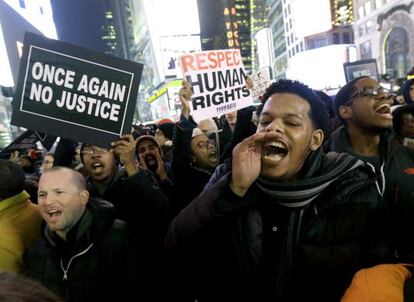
[(259, 82), (218, 81)]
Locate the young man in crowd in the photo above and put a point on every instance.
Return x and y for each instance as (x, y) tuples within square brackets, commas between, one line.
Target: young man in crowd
[(195, 155), (289, 223), (137, 198), (150, 156), (84, 254), (364, 107)]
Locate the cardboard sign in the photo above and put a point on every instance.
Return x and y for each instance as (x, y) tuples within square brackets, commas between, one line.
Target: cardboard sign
[(361, 68), (259, 82), (218, 81), (75, 93)]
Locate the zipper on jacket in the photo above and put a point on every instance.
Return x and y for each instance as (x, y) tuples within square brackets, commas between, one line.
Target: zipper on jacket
[(65, 271)]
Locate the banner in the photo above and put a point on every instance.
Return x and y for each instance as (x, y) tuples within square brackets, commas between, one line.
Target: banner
[(218, 81), (259, 82), (75, 93)]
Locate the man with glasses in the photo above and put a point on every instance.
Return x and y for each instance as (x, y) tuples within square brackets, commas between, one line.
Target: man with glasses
[(136, 196), (364, 108), (194, 157)]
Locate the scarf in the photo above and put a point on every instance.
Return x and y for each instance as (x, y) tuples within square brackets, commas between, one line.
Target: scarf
[(320, 171)]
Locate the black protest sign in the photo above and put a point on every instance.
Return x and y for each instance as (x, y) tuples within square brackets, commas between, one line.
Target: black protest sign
[(75, 93), (25, 141)]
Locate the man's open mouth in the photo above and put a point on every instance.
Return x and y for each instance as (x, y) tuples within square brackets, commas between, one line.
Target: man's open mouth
[(53, 213), (384, 110), (97, 167), (274, 151)]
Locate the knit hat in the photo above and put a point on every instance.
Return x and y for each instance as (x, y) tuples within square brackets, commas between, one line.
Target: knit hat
[(167, 129), (196, 131), (147, 138)]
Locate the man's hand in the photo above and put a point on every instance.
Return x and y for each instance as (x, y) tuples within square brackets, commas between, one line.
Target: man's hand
[(185, 94), (246, 163), (162, 174), (124, 148)]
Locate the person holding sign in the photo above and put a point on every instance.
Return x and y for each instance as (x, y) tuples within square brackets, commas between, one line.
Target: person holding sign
[(136, 196), (289, 223), (195, 155)]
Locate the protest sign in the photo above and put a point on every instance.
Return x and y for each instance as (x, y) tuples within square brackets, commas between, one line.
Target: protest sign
[(218, 81), (22, 143), (75, 93), (259, 82)]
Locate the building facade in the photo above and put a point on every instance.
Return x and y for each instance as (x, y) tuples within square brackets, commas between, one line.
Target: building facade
[(384, 30)]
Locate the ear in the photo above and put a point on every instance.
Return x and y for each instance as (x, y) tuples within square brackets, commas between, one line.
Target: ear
[(317, 139), (84, 196), (345, 112)]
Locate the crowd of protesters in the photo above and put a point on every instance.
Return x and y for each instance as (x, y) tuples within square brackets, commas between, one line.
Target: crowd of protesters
[(300, 198)]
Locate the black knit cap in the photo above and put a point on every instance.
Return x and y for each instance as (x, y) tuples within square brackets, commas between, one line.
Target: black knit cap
[(167, 129)]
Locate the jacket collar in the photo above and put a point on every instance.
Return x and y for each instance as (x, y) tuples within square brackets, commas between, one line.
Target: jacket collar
[(14, 200)]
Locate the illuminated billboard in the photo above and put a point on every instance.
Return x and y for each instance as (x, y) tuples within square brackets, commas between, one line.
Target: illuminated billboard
[(174, 46), (322, 67), (311, 17)]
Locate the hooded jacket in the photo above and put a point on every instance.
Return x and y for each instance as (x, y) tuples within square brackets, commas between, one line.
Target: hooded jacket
[(19, 229), (395, 181), (258, 248), (95, 262)]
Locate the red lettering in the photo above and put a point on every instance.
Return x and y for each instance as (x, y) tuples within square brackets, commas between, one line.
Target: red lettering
[(201, 61), (187, 62), (212, 58), (220, 58)]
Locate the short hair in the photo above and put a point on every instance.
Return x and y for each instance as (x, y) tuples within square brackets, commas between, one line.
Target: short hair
[(78, 178), (11, 179), (328, 102), (16, 288), (318, 113), (344, 95), (397, 115)]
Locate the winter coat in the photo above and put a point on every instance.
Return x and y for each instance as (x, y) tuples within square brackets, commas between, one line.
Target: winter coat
[(19, 229), (398, 175), (95, 263), (385, 282), (252, 248), (189, 181)]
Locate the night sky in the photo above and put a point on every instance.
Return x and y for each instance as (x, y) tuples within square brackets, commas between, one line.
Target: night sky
[(80, 22)]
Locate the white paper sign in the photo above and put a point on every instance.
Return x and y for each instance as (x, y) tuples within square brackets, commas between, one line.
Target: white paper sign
[(218, 82)]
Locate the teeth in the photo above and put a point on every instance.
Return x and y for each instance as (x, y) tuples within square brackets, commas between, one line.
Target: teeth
[(383, 106), (277, 145), (97, 165), (274, 157)]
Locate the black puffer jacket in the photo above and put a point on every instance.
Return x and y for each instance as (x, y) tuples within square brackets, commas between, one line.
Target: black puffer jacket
[(254, 249), (94, 264)]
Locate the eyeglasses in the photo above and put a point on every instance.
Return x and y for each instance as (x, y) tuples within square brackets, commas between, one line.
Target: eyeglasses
[(371, 92), (206, 144), (92, 151)]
